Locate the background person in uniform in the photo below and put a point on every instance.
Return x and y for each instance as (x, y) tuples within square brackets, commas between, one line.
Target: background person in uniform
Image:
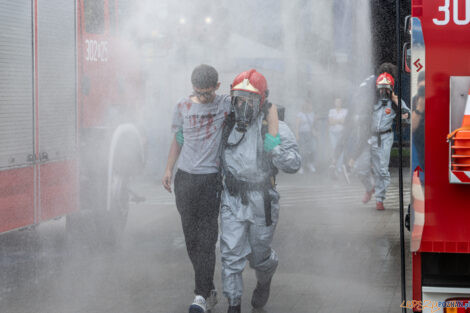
[(197, 125), (251, 156), (381, 141)]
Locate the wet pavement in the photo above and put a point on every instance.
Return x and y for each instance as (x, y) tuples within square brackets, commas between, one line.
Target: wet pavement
[(336, 255)]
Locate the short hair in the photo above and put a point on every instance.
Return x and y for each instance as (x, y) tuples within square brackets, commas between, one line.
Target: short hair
[(388, 68), (204, 76)]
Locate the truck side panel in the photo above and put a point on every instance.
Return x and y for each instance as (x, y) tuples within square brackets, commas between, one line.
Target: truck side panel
[(447, 51), (16, 198), (16, 115), (57, 108)]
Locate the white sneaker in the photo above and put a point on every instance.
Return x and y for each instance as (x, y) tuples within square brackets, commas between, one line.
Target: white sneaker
[(300, 171), (199, 305), (211, 301)]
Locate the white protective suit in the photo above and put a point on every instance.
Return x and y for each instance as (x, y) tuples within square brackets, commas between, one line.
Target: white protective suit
[(381, 144), (244, 233)]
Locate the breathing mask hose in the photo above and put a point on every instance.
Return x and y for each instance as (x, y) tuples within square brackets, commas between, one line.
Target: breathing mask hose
[(400, 155)]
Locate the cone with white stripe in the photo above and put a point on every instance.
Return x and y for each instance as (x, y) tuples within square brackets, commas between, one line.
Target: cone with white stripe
[(461, 142)]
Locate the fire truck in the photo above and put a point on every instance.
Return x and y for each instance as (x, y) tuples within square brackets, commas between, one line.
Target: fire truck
[(440, 206), (70, 89)]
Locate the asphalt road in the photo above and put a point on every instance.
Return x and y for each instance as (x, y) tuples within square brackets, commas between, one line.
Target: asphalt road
[(336, 255)]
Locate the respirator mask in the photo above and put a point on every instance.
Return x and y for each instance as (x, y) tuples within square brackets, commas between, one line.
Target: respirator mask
[(246, 108), (384, 94), (385, 84)]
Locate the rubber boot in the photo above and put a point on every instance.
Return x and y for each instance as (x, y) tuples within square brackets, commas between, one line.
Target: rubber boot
[(261, 295), (211, 301), (379, 206), (234, 309)]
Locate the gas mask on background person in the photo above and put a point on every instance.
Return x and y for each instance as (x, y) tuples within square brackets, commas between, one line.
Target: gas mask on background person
[(383, 95), (384, 84), (246, 108)]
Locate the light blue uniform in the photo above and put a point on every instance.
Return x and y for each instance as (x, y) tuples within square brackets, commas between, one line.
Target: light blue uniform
[(381, 144), (244, 234)]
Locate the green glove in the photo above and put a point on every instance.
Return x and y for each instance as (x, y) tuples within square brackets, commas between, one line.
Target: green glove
[(180, 137), (270, 142)]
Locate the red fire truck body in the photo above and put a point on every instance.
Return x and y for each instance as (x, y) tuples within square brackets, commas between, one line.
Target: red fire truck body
[(440, 206), (69, 89)]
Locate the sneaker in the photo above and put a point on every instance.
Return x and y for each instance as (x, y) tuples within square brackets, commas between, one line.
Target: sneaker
[(261, 295), (367, 196), (211, 301), (379, 206), (234, 309), (300, 171), (199, 305)]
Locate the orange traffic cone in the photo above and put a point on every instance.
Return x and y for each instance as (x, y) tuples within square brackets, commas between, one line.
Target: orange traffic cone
[(460, 139)]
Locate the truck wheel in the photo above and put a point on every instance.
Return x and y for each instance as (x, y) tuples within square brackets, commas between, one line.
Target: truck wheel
[(119, 205), (113, 219)]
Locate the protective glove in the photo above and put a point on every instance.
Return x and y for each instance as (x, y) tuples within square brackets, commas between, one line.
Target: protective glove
[(270, 142), (180, 137)]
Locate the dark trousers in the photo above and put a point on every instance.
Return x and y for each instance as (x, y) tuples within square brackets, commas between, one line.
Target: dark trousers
[(198, 200)]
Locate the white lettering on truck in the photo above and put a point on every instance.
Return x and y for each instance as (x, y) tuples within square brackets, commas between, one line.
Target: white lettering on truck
[(96, 51), (446, 9)]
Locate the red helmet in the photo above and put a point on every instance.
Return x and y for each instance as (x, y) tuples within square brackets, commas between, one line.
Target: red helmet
[(251, 81), (385, 80)]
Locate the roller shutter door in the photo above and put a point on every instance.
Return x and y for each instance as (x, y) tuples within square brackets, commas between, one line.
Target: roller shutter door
[(57, 79), (16, 83)]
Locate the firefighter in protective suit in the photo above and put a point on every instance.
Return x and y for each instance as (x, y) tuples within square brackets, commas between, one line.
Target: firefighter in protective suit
[(251, 157), (381, 141)]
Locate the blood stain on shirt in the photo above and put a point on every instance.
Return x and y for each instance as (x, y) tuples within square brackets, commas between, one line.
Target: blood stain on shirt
[(210, 121), (193, 120)]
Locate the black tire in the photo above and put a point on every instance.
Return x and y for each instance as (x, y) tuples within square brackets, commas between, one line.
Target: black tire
[(111, 224)]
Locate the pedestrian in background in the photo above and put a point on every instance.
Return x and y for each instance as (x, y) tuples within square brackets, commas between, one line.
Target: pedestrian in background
[(336, 118), (305, 134)]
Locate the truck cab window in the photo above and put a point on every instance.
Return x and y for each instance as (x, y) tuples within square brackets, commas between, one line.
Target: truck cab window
[(94, 16)]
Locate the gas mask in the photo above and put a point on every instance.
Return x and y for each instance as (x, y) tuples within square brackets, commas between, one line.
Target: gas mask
[(384, 95), (246, 108), (385, 84)]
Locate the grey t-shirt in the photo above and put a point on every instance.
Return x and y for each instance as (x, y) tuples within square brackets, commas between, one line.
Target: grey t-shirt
[(202, 130)]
